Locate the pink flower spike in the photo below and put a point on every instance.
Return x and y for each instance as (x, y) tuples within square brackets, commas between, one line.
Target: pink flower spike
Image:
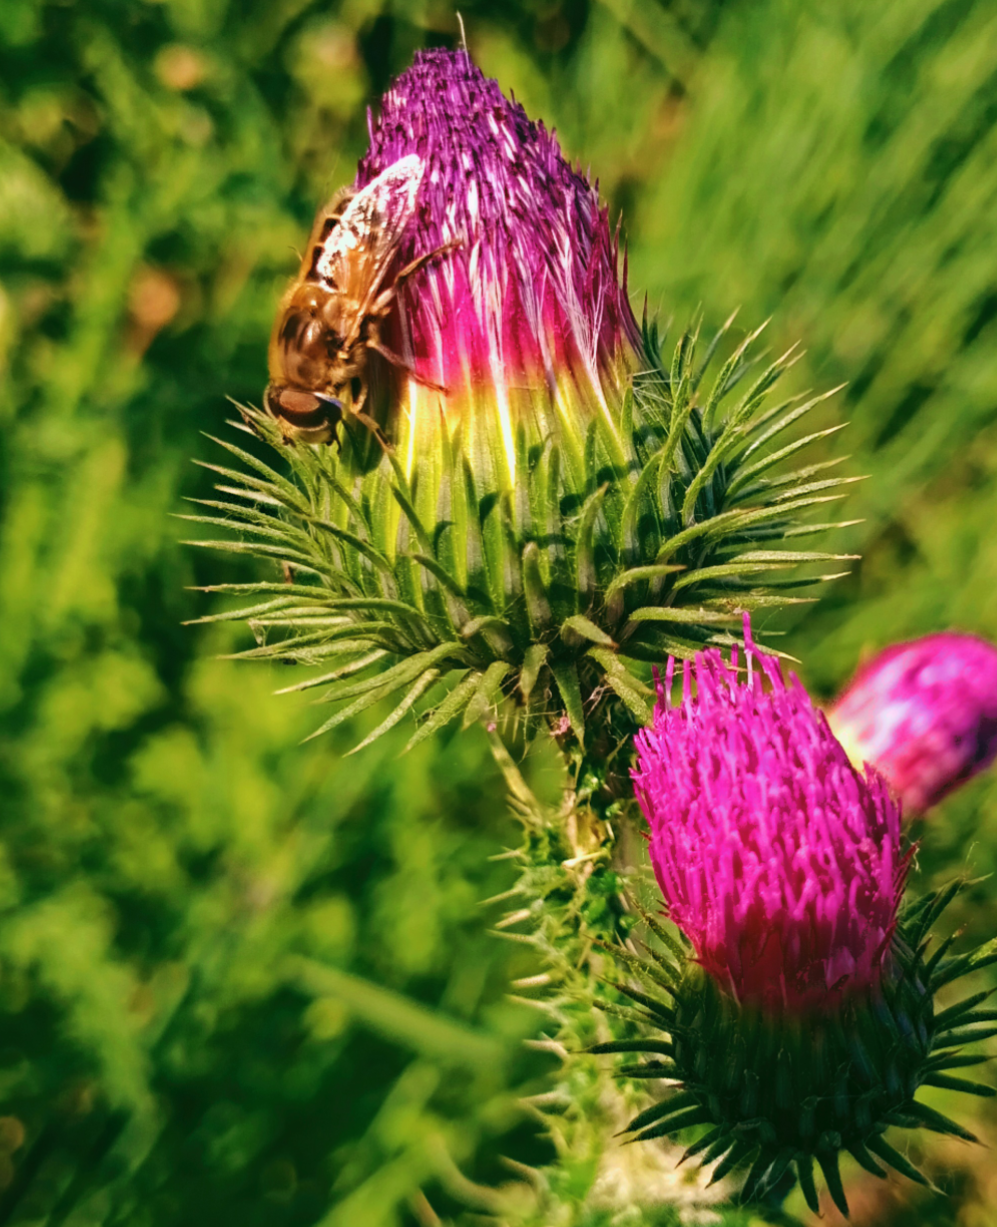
[(779, 860), (925, 714), (522, 316)]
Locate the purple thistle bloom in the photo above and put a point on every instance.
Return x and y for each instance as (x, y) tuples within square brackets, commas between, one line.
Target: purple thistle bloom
[(779, 860), (526, 316), (925, 714)]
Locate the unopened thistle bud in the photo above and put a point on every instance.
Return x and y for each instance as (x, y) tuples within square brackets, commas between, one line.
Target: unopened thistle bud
[(925, 714), (522, 328), (493, 477), (778, 860), (801, 1019)]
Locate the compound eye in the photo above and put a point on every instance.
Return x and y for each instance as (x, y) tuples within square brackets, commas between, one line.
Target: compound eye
[(295, 403), (311, 416)]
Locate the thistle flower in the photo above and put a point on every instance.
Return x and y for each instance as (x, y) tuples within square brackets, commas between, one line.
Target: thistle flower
[(544, 503), (924, 713), (801, 1019), (525, 319), (777, 859)]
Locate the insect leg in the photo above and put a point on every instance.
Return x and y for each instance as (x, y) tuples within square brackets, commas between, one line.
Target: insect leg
[(375, 343), (414, 265), (387, 297), (357, 411)]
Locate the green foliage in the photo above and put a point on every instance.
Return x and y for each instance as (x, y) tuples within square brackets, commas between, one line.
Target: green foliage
[(838, 168), (235, 984), (229, 965)]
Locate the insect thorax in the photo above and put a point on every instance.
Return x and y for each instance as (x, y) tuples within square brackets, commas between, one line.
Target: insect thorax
[(310, 339)]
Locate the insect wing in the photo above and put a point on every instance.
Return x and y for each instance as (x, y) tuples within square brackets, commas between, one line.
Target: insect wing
[(357, 252)]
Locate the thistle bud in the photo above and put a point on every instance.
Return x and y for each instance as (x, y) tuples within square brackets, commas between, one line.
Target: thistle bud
[(778, 860), (801, 1019), (494, 478), (925, 714), (522, 324)]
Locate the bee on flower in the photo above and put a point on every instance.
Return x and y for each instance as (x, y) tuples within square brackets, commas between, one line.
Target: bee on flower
[(500, 490)]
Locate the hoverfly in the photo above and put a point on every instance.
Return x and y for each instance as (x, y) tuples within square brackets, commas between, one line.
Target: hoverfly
[(331, 314)]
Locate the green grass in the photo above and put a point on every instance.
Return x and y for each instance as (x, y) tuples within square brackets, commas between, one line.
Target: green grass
[(245, 981)]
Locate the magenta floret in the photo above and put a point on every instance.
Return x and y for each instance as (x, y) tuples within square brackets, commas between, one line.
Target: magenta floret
[(533, 292), (925, 714), (778, 859)]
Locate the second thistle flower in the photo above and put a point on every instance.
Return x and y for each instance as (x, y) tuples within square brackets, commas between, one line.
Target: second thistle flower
[(779, 860), (799, 1005)]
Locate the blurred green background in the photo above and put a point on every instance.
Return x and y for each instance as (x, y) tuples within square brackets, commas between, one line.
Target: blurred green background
[(245, 981)]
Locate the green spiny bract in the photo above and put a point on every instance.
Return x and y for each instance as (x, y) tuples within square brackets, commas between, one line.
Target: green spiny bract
[(775, 1094), (650, 538)]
